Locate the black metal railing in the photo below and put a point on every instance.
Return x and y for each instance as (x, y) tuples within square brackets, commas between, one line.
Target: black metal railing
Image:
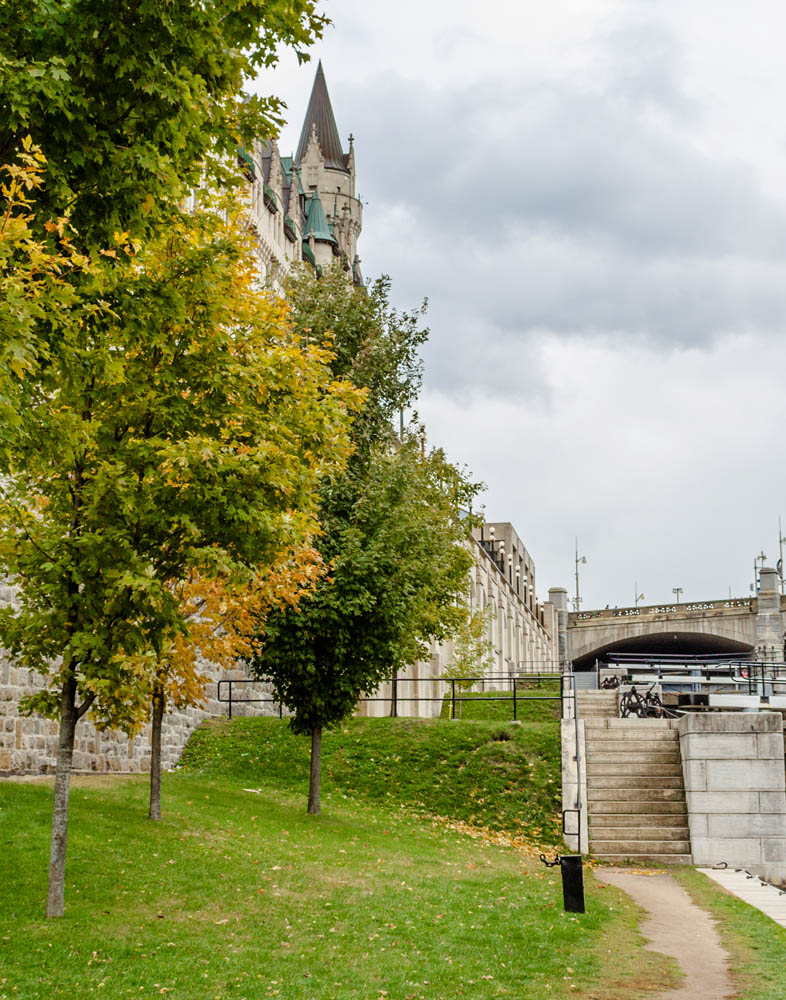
[(456, 690)]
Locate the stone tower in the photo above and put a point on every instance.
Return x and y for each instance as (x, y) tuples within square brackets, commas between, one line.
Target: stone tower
[(334, 213)]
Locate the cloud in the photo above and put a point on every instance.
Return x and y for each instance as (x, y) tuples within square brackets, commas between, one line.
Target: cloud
[(664, 463), (519, 208), (590, 195)]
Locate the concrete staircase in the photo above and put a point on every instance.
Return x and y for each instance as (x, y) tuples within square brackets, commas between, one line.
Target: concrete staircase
[(598, 704), (635, 794)]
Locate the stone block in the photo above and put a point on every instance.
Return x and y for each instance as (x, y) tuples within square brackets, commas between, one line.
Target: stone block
[(731, 722), (772, 802), (723, 802), (694, 773), (699, 825), (770, 746), (773, 850), (747, 825), (743, 775), (5, 760), (720, 746), (741, 852)]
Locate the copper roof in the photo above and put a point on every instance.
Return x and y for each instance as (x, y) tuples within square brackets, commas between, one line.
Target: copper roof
[(320, 113), (316, 223)]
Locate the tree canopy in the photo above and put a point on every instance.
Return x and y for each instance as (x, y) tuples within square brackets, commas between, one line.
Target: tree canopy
[(133, 101), (176, 425), (393, 531)]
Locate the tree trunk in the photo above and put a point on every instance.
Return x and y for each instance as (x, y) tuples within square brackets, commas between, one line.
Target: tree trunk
[(157, 719), (316, 771), (55, 901)]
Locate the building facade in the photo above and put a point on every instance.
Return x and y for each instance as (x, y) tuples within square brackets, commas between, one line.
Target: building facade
[(305, 207), (521, 631)]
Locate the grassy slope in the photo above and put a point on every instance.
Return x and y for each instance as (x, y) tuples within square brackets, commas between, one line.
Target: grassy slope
[(239, 894), (498, 775)]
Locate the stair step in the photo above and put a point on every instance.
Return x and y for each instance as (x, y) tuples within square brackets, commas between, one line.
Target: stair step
[(656, 832), (631, 796), (635, 725), (633, 770), (643, 807), (670, 757), (643, 860), (635, 782), (628, 748), (669, 820), (605, 741), (628, 847)]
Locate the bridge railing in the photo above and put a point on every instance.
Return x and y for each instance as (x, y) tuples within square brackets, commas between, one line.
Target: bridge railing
[(697, 608), (700, 675)]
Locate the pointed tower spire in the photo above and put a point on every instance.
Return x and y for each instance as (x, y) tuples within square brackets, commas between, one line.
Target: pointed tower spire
[(319, 116)]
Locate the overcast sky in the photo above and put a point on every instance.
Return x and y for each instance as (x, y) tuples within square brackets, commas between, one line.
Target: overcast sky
[(591, 196)]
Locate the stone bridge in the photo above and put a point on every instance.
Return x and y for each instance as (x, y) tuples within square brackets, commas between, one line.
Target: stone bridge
[(736, 626)]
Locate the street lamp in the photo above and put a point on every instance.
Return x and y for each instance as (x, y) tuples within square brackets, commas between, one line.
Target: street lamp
[(677, 591), (582, 559), (638, 597), (760, 558)]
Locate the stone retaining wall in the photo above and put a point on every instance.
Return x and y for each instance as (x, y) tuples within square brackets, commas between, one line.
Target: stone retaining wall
[(733, 765), (28, 745)]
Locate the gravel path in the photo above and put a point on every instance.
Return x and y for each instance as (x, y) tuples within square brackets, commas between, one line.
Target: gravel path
[(676, 926)]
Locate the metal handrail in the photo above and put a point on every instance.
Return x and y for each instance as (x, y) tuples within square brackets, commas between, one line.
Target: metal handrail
[(456, 697)]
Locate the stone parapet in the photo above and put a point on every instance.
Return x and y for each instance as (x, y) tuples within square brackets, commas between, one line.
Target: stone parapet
[(733, 767)]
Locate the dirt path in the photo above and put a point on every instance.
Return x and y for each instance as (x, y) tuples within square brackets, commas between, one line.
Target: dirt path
[(676, 926)]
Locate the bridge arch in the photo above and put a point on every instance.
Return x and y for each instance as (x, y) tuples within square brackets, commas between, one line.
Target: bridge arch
[(667, 641)]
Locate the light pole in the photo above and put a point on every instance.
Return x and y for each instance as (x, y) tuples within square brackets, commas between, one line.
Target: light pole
[(781, 540), (638, 597), (582, 559), (760, 558), (677, 591)]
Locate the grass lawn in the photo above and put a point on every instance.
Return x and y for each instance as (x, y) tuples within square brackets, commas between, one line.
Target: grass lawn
[(756, 943), (237, 893)]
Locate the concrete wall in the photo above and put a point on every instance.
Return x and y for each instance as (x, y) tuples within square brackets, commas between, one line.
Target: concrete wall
[(733, 766), (523, 633), (574, 780)]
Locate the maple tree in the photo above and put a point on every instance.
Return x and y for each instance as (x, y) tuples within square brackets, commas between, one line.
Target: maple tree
[(35, 268), (136, 102), (393, 529), (223, 619), (180, 426)]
